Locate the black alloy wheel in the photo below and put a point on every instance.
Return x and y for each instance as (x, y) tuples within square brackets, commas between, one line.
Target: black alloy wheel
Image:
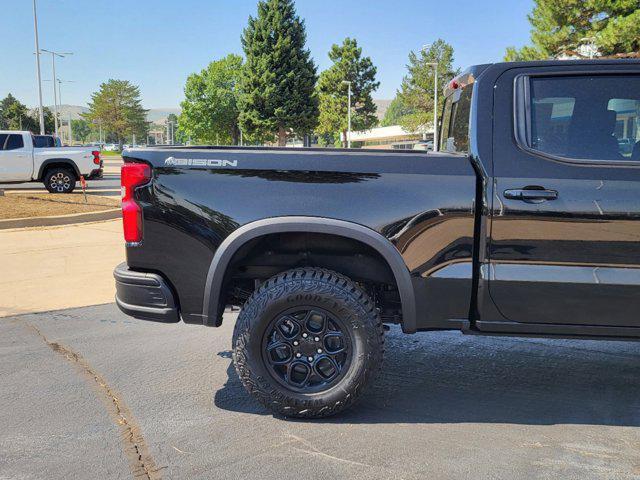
[(307, 343), (307, 349)]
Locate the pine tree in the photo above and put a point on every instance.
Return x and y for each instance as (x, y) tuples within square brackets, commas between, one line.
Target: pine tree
[(279, 76), (348, 66), (559, 25)]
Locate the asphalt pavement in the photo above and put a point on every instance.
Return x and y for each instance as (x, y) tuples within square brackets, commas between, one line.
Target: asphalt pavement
[(90, 393)]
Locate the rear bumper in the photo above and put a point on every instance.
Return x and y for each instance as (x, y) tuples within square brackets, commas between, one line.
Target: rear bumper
[(97, 173), (144, 295)]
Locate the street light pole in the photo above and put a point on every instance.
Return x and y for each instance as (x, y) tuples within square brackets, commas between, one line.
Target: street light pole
[(435, 104), (55, 89), (348, 83), (435, 99), (35, 28), (59, 82), (435, 108)]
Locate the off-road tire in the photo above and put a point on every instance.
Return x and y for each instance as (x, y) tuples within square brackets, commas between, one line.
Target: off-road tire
[(323, 289), (67, 177)]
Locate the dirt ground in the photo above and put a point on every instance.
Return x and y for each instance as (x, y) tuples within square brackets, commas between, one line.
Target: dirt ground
[(28, 205)]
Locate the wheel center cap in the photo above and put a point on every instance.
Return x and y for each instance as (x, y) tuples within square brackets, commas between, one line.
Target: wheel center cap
[(308, 347)]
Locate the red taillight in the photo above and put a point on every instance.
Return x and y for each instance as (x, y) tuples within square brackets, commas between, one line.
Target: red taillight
[(132, 175), (96, 157)]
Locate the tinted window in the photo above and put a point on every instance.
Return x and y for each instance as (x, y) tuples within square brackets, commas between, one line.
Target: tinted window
[(455, 126), (42, 141), (3, 139), (586, 117), (446, 122), (14, 142)]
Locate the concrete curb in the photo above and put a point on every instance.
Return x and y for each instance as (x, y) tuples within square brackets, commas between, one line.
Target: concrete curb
[(61, 219)]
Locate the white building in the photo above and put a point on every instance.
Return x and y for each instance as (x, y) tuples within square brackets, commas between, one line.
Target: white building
[(393, 137)]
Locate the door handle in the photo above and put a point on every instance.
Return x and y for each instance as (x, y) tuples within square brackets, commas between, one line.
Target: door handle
[(531, 194)]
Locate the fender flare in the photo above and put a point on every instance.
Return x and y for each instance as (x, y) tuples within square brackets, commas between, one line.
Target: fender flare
[(49, 161), (238, 238)]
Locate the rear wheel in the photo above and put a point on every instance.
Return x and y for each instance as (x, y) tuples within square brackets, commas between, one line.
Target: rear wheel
[(307, 343), (60, 180)]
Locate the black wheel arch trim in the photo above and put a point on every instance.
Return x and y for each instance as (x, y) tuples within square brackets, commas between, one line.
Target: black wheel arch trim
[(65, 161), (227, 249)]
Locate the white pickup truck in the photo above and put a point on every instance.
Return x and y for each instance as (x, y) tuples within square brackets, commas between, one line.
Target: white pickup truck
[(59, 168)]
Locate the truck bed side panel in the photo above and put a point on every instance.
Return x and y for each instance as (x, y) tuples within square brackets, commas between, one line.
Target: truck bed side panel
[(422, 203)]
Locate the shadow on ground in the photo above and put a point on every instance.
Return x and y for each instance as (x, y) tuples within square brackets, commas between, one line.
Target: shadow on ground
[(451, 378)]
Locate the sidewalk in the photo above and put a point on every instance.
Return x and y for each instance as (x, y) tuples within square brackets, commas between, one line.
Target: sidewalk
[(62, 267), (111, 165)]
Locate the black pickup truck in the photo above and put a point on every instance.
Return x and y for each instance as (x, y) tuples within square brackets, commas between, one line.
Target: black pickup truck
[(526, 222)]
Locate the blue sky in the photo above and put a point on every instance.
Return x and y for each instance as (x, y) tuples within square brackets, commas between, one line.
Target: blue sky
[(156, 44)]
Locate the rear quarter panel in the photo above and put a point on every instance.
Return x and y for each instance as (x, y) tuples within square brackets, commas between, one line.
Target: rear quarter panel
[(81, 156), (424, 205)]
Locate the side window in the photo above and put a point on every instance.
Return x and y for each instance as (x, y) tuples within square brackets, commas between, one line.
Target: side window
[(455, 125), (3, 140), (627, 129), (550, 124), (14, 142), (592, 117)]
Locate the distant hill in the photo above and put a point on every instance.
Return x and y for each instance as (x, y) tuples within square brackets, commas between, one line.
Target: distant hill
[(155, 115), (383, 106), (159, 115)]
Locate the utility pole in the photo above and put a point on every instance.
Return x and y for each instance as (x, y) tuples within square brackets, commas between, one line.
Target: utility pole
[(348, 113), (55, 89), (35, 28)]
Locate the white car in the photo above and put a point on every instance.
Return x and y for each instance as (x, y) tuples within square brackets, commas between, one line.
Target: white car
[(110, 147), (59, 168), (424, 145)]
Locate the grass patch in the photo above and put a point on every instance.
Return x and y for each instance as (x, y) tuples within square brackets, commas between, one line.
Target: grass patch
[(104, 153), (28, 205)]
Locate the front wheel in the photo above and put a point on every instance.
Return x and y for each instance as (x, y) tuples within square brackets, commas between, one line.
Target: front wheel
[(307, 343), (60, 180)]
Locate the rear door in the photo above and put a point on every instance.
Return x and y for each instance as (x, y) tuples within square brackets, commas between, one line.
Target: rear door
[(565, 230), (16, 162)]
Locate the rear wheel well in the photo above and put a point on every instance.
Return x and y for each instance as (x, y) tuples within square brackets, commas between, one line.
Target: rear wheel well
[(66, 164), (263, 257)]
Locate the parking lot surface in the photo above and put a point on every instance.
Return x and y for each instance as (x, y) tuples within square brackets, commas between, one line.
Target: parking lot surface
[(91, 393)]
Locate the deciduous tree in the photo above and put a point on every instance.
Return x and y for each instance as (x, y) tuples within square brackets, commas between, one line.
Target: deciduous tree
[(395, 112), (14, 115), (117, 106), (210, 110), (417, 89), (80, 129)]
